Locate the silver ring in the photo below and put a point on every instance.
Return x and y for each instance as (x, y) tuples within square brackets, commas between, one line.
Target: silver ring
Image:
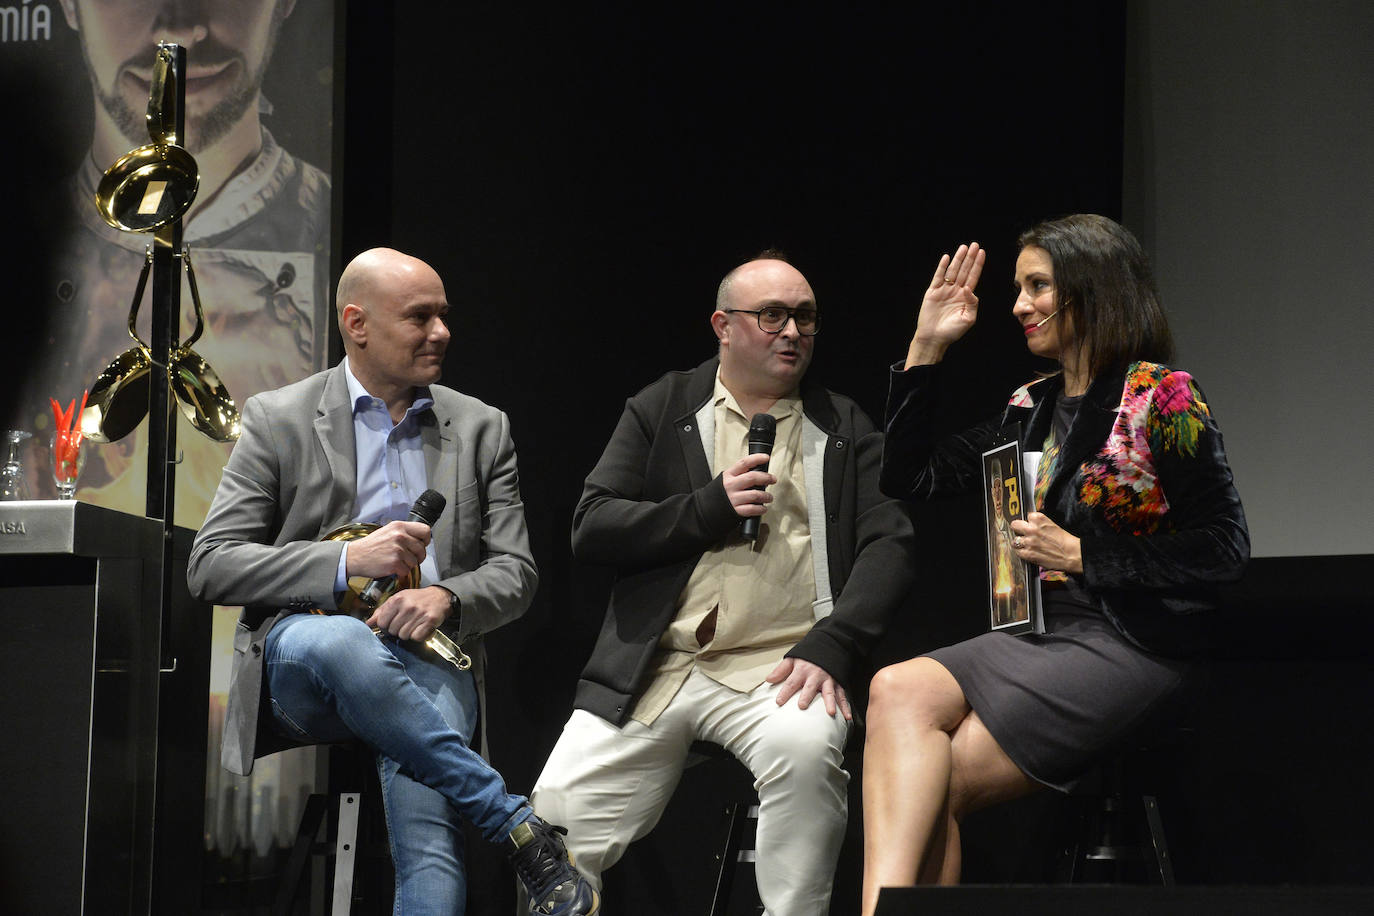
[(1017, 542)]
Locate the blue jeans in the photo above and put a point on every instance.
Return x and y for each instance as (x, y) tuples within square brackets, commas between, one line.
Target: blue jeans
[(332, 679)]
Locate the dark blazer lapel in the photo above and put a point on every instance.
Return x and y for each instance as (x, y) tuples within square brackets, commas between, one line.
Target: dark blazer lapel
[(1090, 428), (441, 471), (699, 390), (1035, 420), (693, 453), (334, 430)]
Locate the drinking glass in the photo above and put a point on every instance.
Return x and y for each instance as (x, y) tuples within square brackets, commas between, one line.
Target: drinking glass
[(68, 459), (12, 483)]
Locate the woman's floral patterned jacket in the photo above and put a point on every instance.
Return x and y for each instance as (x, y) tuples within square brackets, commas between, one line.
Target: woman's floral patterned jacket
[(1141, 478)]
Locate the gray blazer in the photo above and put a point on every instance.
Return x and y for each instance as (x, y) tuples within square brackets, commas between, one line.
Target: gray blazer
[(292, 477)]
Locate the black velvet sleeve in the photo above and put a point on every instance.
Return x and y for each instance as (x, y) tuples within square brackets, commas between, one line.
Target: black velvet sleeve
[(915, 465)]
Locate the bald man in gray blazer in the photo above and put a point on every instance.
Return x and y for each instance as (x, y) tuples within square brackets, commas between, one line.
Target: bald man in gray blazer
[(358, 443)]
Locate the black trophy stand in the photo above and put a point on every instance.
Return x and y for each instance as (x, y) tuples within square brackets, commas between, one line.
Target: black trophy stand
[(162, 427)]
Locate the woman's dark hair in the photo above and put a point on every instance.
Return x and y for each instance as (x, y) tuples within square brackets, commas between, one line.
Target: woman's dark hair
[(1104, 286)]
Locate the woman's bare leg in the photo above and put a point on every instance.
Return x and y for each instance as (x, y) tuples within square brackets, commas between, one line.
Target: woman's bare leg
[(910, 831), (981, 775), (908, 759), (943, 861)]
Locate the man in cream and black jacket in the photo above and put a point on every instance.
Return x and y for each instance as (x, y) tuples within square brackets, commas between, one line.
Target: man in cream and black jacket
[(747, 643)]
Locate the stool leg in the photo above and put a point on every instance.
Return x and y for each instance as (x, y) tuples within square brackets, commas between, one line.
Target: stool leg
[(311, 818), (344, 854), (1071, 853), (729, 855), (751, 854), (1159, 847)]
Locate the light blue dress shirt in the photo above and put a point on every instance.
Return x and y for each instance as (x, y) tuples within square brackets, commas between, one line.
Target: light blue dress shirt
[(391, 467)]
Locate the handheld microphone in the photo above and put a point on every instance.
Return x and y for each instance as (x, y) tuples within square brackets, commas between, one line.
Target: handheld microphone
[(1047, 318), (427, 509), (763, 429)]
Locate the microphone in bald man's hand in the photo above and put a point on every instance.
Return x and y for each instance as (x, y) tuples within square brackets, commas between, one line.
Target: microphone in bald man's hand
[(427, 509), (763, 429)]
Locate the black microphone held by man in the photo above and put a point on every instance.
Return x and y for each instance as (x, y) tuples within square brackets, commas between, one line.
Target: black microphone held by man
[(427, 509), (763, 430)]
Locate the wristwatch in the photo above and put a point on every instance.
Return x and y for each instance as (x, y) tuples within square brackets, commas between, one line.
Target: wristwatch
[(455, 607)]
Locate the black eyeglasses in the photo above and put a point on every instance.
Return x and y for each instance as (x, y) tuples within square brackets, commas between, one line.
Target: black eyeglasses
[(774, 318)]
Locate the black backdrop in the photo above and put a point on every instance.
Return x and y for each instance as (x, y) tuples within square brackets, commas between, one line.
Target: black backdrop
[(582, 178)]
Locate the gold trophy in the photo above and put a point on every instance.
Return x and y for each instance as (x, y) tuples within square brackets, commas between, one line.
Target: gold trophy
[(355, 604)]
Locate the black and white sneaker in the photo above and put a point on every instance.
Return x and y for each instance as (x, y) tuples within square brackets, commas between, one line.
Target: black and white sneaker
[(545, 866)]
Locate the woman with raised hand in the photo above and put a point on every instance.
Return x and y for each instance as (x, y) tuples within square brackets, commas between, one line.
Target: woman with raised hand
[(1136, 521)]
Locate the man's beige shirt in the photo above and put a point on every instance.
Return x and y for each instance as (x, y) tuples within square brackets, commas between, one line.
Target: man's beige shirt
[(761, 591)]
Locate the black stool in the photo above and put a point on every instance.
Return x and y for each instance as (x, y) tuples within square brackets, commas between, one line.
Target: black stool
[(1118, 835), (741, 819), (356, 834)]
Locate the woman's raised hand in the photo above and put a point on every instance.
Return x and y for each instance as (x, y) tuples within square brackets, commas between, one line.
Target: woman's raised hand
[(949, 308)]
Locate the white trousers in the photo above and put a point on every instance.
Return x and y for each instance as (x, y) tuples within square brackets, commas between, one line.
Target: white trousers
[(609, 785)]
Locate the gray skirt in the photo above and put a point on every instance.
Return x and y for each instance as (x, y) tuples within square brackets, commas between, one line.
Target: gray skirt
[(1058, 702)]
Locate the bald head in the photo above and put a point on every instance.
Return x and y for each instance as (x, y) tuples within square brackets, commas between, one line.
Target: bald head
[(759, 277), (376, 273)]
